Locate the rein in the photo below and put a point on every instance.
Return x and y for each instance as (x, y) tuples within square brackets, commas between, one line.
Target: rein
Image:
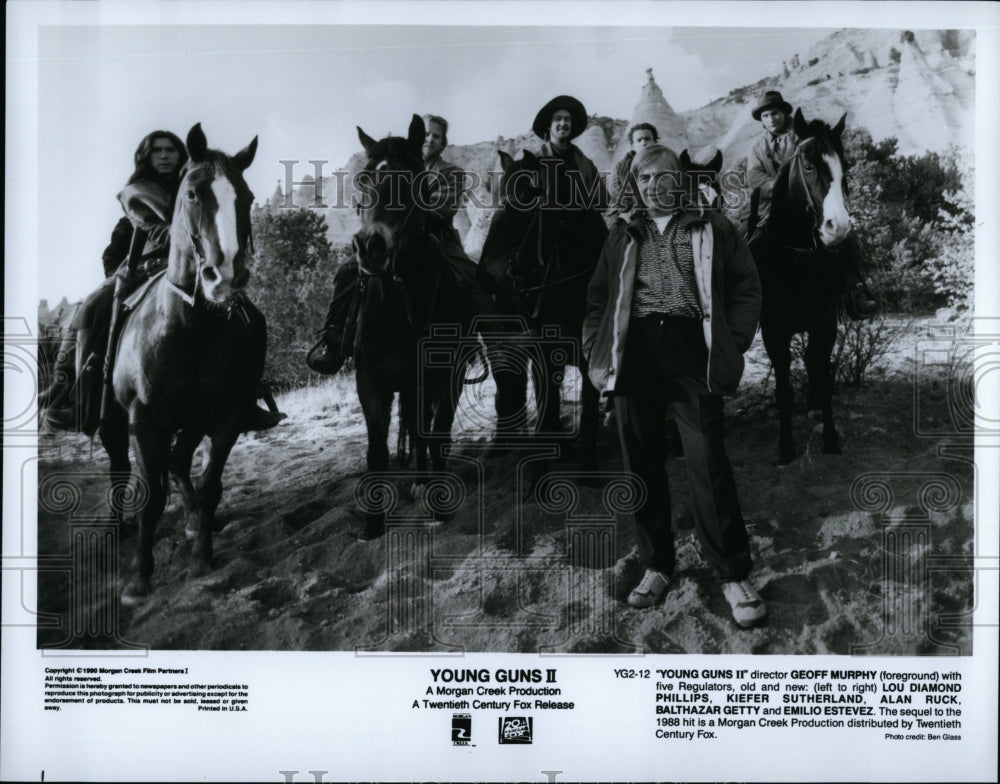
[(191, 299), (389, 274), (548, 266), (795, 169)]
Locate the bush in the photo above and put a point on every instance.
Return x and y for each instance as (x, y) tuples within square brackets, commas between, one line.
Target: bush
[(860, 347), (914, 218), (292, 283)]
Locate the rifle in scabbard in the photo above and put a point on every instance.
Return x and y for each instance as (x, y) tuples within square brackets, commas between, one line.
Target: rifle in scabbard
[(126, 273)]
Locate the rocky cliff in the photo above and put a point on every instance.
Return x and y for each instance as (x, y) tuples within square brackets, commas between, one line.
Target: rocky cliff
[(916, 86)]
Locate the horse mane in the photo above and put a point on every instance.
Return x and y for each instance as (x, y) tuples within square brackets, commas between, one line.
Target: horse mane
[(828, 136)]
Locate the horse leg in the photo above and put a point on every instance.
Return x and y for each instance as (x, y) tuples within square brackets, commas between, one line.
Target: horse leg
[(512, 398), (180, 469), (589, 413), (377, 409), (819, 350), (151, 444), (423, 441), (209, 493), (114, 437), (548, 378), (778, 346)]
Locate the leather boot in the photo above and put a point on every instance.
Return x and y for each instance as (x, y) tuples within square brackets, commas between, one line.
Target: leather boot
[(860, 302), (329, 354), (59, 409)]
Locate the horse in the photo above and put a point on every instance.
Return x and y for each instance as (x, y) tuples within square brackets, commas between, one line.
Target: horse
[(703, 179), (409, 299), (184, 362), (537, 262), (801, 276)]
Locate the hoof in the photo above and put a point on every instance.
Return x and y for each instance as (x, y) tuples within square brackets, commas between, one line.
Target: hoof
[(783, 459), (417, 490), (374, 529), (127, 527), (190, 533), (136, 592), (201, 568), (371, 535)]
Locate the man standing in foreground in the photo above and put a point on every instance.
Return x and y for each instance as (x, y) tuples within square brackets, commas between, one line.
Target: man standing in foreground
[(671, 308)]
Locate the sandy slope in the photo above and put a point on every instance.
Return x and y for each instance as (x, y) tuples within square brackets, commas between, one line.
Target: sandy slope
[(838, 569)]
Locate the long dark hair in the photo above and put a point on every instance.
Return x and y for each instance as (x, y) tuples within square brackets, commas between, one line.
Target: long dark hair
[(145, 171)]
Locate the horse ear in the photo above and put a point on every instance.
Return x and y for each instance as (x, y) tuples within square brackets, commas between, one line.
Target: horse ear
[(245, 157), (417, 132), (799, 124), (685, 159), (838, 129), (716, 163), (527, 156), (506, 162), (197, 144), (366, 141)]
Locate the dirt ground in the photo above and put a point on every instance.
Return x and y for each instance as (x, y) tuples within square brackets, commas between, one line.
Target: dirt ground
[(865, 552)]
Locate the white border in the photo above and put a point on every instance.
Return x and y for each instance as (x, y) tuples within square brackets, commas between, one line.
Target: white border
[(349, 716)]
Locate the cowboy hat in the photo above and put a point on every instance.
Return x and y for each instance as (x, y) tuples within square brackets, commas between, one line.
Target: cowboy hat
[(771, 100), (578, 116)]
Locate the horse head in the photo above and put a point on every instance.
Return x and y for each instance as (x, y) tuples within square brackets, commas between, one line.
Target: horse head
[(812, 183), (210, 231), (387, 187), (703, 179), (520, 186)]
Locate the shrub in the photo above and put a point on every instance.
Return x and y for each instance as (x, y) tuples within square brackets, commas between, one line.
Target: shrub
[(913, 217), (292, 282)]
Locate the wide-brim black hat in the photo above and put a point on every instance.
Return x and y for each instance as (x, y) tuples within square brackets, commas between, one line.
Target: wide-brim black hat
[(771, 100), (577, 114)]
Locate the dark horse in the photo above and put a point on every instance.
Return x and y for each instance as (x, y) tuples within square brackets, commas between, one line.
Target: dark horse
[(703, 179), (409, 312), (184, 362), (800, 272), (537, 261)]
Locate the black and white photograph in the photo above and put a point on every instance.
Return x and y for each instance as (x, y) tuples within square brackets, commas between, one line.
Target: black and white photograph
[(614, 380)]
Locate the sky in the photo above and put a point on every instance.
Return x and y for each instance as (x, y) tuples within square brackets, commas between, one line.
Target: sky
[(99, 76), (303, 89)]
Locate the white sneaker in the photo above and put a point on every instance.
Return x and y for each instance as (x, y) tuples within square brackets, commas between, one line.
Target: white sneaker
[(650, 589), (748, 607)]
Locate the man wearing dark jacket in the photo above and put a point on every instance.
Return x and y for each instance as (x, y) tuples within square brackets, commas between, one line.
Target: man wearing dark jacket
[(671, 307)]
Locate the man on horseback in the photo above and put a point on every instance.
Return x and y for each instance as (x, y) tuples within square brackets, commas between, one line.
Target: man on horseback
[(441, 193), (622, 198), (578, 184), (672, 306), (147, 200), (777, 145)]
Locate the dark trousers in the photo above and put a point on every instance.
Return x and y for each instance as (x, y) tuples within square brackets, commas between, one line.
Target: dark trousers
[(664, 368)]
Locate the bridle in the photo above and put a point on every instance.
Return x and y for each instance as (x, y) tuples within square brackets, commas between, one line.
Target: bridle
[(795, 171), (389, 272), (191, 298)]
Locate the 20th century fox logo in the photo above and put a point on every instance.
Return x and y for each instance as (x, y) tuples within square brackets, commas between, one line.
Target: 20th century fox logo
[(461, 729), (515, 729)]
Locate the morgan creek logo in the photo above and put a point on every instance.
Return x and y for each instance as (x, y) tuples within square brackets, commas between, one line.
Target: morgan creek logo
[(515, 729), (461, 729)]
